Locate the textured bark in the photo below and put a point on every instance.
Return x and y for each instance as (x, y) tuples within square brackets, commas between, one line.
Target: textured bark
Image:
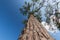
[(35, 31)]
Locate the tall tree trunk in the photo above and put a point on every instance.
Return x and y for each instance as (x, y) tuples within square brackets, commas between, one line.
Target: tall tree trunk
[(35, 31)]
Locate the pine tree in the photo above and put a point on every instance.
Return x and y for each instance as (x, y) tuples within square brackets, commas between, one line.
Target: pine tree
[(33, 29)]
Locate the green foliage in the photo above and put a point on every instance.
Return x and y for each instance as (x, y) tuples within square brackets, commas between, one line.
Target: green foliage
[(58, 25), (25, 21), (38, 17), (25, 8), (35, 0), (30, 8), (23, 12)]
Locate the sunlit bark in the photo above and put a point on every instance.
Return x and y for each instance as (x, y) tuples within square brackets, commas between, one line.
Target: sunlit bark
[(35, 31)]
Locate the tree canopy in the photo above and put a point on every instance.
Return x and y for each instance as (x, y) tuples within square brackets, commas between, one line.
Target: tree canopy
[(34, 7)]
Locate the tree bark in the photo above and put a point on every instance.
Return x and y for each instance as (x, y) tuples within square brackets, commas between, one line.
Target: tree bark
[(35, 31)]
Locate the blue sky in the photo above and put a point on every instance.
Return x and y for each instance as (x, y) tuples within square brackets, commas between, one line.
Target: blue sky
[(11, 20)]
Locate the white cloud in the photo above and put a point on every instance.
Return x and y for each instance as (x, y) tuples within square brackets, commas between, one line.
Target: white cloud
[(49, 28)]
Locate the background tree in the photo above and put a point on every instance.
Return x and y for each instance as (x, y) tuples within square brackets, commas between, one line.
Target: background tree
[(51, 10)]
